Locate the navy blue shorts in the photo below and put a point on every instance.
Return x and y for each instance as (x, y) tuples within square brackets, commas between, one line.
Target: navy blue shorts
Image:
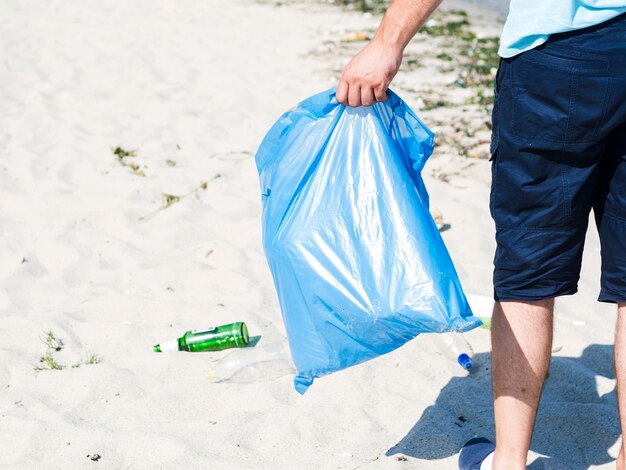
[(558, 151)]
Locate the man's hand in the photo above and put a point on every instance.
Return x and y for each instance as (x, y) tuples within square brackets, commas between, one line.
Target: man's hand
[(366, 78)]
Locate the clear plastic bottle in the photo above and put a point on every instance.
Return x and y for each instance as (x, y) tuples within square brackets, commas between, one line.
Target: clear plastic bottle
[(254, 364), (455, 347)]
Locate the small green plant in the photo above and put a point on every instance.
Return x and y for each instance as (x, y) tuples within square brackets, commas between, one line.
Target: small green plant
[(53, 344), (93, 358), (49, 363)]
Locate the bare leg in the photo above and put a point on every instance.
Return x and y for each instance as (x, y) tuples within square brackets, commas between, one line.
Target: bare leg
[(620, 374), (521, 342)]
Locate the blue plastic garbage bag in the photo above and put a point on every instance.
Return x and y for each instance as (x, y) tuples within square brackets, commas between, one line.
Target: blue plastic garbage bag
[(358, 263)]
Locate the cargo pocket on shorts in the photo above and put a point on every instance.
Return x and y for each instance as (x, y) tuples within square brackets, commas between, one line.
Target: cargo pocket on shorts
[(558, 97)]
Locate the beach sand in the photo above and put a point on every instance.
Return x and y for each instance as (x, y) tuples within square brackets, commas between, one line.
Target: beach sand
[(87, 254)]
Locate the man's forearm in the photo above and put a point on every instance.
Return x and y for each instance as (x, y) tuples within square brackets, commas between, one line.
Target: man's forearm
[(366, 78), (402, 21)]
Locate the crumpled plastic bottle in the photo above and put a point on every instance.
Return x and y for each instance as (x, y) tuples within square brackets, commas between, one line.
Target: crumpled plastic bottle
[(454, 347), (254, 364)]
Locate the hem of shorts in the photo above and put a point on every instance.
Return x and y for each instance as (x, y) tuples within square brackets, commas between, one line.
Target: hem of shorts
[(516, 297), (610, 298)]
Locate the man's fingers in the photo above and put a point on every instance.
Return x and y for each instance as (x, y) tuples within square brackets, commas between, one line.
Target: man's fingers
[(367, 96), (381, 94), (342, 92), (354, 95)]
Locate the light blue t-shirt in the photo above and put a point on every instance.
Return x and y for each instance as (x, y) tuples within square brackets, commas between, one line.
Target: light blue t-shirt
[(530, 22)]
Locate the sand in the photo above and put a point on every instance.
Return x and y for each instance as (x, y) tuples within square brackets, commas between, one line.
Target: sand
[(87, 254)]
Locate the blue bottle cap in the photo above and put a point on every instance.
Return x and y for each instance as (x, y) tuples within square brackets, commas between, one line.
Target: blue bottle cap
[(465, 361)]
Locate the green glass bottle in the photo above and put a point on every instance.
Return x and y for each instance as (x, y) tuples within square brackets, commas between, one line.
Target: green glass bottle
[(234, 335)]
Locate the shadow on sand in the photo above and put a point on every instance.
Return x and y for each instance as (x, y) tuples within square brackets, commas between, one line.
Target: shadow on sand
[(575, 427)]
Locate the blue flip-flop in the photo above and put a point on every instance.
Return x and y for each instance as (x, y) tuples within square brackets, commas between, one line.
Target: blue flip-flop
[(474, 452)]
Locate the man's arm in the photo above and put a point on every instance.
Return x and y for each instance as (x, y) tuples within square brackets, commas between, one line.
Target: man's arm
[(366, 78)]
